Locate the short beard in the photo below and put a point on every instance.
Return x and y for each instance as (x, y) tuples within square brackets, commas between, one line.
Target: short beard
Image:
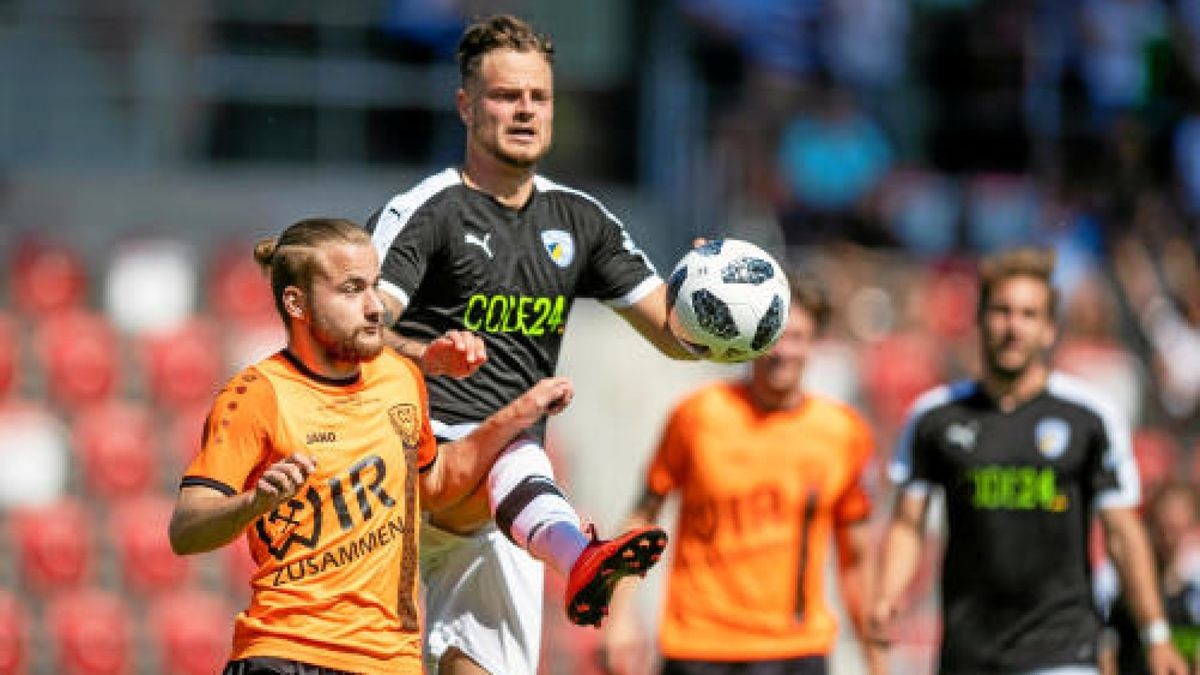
[(346, 348)]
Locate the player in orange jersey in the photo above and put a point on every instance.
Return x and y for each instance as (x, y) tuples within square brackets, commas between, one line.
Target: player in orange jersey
[(324, 456), (766, 472)]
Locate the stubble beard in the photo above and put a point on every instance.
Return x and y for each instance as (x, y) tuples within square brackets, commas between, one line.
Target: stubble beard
[(352, 347)]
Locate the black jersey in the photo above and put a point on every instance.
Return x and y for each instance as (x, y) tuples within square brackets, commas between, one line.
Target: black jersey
[(1020, 489), (459, 259)]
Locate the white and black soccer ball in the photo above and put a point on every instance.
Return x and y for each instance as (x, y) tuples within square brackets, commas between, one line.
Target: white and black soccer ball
[(728, 301)]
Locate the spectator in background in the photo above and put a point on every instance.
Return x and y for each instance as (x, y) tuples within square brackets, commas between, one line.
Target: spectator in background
[(1116, 35), (767, 472), (1172, 513), (831, 159), (1023, 456)]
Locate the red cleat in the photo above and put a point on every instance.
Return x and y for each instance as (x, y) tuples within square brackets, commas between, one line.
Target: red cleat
[(602, 564)]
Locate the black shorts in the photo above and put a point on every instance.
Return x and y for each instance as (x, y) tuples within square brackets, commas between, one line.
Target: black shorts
[(803, 665), (269, 665)]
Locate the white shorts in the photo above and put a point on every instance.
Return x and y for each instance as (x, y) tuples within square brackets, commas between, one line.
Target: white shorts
[(483, 596)]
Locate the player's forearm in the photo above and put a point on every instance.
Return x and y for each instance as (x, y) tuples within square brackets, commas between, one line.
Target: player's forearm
[(854, 571), (1129, 548), (202, 523), (406, 346), (899, 559), (462, 464)]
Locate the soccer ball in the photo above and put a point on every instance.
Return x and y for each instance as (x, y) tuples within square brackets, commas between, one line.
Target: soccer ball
[(728, 301)]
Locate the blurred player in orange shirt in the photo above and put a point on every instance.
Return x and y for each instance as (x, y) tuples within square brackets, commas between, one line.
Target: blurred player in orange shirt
[(324, 456), (766, 472)]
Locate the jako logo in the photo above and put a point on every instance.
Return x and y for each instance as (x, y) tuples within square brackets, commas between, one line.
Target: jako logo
[(321, 437)]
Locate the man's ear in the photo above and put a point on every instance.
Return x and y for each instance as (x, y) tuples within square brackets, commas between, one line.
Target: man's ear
[(463, 100), (293, 302)]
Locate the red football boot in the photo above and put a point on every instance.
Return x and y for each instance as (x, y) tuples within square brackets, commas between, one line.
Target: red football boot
[(605, 562)]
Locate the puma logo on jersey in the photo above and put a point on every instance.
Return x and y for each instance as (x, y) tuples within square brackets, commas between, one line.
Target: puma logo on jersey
[(481, 243), (963, 435)]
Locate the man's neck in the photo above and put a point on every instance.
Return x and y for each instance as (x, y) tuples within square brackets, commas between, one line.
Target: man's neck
[(318, 361), (1012, 392), (508, 185), (769, 401)]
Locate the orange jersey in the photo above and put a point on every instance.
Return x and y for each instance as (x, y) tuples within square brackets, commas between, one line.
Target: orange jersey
[(761, 492), (336, 584)]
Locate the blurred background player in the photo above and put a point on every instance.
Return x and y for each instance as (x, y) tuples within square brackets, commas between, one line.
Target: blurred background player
[(323, 454), (767, 472), (1171, 514), (492, 247), (1024, 456)]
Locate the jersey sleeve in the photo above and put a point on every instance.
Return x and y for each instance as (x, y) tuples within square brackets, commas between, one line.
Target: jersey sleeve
[(854, 504), (668, 467), (406, 238), (1113, 479), (618, 273), (236, 438), (427, 450), (912, 467)]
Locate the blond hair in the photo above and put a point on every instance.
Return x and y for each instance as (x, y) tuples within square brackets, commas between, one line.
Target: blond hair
[(290, 259), (1030, 262)]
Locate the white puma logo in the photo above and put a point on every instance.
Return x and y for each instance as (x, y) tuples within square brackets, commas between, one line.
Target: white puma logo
[(481, 243)]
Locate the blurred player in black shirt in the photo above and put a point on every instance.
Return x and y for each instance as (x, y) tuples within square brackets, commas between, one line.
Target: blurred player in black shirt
[(1024, 457)]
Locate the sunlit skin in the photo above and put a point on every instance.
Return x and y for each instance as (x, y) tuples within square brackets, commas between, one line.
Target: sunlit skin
[(337, 324), (508, 110), (1017, 330), (775, 377)]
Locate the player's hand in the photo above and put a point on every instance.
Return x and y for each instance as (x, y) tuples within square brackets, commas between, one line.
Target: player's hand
[(879, 624), (281, 481), (549, 396), (1164, 660), (457, 353)]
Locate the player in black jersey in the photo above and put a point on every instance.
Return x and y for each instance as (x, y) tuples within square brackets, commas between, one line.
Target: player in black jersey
[(495, 249), (1024, 456)]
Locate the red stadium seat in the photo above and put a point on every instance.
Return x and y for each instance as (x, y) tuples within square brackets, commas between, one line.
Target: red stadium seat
[(186, 428), (115, 445), (898, 369), (80, 355), (53, 546), (10, 355), (14, 636), (91, 632), (239, 291), (46, 278), (1157, 453), (139, 529), (183, 366), (192, 632)]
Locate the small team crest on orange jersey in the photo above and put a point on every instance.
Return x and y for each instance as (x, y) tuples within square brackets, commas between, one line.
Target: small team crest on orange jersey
[(406, 423)]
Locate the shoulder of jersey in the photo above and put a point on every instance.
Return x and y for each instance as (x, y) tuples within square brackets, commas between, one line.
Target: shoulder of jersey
[(253, 379), (404, 204), (939, 397), (1075, 391), (547, 186), (390, 358)]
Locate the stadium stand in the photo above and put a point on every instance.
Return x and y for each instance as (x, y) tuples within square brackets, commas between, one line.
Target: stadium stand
[(54, 547), (115, 446), (91, 632)]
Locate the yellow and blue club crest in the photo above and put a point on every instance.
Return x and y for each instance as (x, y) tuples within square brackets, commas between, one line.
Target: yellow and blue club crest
[(559, 246), (1052, 436)]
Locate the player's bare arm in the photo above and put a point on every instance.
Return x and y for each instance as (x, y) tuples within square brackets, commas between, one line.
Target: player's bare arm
[(648, 316), (854, 565), (898, 562), (205, 519), (462, 464), (1129, 548), (457, 353)]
